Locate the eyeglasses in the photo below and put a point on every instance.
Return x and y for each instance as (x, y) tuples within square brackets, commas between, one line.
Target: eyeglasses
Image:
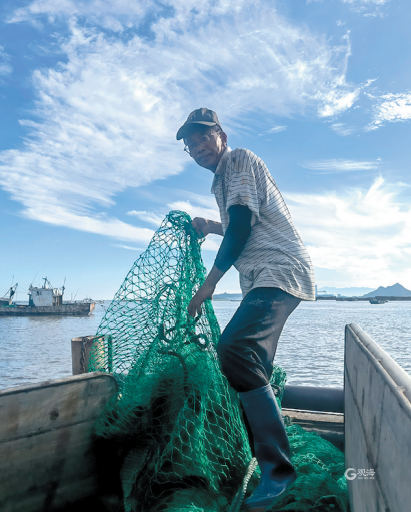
[(193, 147)]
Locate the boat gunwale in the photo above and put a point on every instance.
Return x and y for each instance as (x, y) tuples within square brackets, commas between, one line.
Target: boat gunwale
[(55, 383), (396, 377)]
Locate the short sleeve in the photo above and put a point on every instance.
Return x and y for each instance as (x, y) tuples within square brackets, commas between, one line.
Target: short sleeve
[(242, 183)]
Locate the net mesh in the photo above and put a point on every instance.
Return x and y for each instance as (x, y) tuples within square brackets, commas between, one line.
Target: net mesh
[(174, 433)]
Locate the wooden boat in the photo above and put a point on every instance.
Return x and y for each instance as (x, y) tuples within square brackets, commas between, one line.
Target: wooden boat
[(47, 462)]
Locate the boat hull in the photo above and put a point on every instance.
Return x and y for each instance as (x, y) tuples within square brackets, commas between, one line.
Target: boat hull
[(82, 309)]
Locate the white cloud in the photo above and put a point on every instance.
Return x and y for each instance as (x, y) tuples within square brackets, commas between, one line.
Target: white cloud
[(150, 217), (368, 82), (342, 129), (339, 165), (102, 128), (278, 56), (204, 206), (212, 243), (276, 129), (370, 8), (114, 15), (335, 102), (196, 211), (118, 15), (390, 108), (99, 224), (363, 234), (5, 67), (208, 202), (128, 247), (107, 114), (366, 2)]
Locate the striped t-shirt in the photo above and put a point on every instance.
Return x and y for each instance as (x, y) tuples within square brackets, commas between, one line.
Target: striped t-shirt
[(274, 255)]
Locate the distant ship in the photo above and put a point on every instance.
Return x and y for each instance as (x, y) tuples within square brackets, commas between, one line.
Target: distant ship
[(44, 301), (377, 301)]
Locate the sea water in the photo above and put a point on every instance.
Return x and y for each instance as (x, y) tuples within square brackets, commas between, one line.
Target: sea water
[(311, 348)]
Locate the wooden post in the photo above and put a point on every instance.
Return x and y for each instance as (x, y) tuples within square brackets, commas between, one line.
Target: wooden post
[(76, 349)]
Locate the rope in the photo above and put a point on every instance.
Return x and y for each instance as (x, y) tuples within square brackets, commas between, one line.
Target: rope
[(239, 497)]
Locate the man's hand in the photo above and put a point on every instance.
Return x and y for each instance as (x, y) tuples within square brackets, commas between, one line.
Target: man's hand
[(204, 292), (201, 226)]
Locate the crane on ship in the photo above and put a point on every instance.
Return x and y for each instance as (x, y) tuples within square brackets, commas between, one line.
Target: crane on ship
[(10, 293)]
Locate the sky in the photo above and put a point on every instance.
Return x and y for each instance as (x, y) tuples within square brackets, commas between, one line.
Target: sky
[(93, 92)]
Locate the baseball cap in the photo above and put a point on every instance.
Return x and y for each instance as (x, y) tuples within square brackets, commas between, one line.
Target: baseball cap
[(202, 116)]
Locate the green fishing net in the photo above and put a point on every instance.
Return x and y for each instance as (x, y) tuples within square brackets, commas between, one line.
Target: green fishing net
[(174, 434)]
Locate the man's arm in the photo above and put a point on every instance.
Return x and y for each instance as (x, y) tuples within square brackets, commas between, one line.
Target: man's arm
[(237, 233), (204, 227), (235, 238)]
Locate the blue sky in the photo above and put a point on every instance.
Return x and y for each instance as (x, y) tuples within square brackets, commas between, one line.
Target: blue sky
[(93, 92)]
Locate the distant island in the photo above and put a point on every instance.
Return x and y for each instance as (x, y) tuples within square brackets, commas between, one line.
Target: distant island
[(396, 290), (351, 291), (227, 296)]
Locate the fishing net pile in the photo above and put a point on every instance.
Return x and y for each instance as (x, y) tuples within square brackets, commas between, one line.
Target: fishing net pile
[(174, 433)]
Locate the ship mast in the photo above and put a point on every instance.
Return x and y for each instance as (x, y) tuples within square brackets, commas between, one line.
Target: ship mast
[(46, 282)]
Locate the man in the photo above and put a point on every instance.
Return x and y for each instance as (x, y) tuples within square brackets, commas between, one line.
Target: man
[(275, 275)]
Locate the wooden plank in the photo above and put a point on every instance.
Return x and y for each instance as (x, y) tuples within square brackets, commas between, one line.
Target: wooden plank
[(46, 456), (329, 426), (52, 405), (335, 420), (40, 473), (377, 426)]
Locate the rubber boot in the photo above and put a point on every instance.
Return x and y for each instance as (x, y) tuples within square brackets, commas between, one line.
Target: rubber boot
[(271, 446)]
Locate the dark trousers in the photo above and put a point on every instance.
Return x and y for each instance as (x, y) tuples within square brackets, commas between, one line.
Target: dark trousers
[(248, 344)]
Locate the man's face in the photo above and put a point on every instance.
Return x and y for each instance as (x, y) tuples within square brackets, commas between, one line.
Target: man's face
[(206, 153)]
